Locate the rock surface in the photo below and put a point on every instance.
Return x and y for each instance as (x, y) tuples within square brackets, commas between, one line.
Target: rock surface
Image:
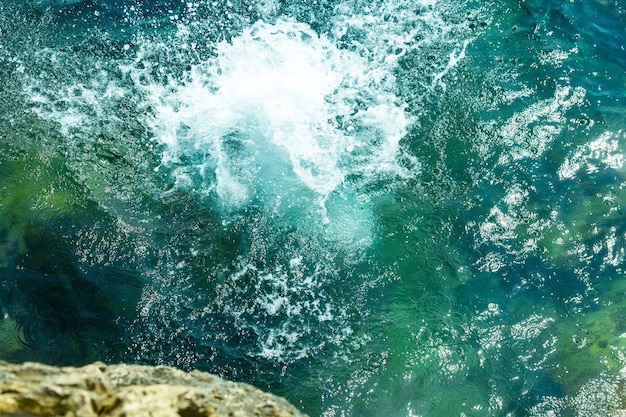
[(33, 389)]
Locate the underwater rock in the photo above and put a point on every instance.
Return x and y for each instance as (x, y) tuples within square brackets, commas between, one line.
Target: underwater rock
[(35, 389)]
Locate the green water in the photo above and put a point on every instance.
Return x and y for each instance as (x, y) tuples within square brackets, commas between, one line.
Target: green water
[(371, 208)]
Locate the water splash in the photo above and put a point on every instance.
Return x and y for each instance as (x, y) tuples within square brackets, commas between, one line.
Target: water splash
[(284, 119)]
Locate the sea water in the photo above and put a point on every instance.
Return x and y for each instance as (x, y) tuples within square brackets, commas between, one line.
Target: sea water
[(372, 208)]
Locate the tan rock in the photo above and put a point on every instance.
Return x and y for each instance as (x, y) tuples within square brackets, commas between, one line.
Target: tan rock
[(33, 389)]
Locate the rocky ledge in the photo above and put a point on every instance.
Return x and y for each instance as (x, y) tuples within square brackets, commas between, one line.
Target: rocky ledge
[(33, 389)]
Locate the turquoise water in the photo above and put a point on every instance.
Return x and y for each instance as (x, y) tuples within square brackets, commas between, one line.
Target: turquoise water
[(372, 208)]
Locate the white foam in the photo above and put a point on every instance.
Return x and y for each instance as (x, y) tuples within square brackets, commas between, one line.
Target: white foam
[(281, 117), (529, 139), (77, 106), (605, 149), (453, 61), (290, 312)]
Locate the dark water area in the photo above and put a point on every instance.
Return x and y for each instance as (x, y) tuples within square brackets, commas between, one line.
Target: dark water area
[(372, 208)]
